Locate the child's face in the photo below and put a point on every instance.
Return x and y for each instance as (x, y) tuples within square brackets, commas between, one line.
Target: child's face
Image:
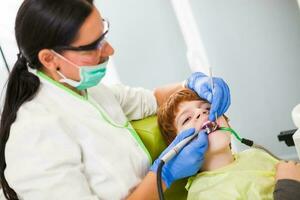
[(194, 114)]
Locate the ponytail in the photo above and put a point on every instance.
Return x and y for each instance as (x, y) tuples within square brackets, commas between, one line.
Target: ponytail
[(21, 87), (40, 24)]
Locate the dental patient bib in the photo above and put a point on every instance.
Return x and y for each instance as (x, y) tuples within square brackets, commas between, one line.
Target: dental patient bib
[(250, 176)]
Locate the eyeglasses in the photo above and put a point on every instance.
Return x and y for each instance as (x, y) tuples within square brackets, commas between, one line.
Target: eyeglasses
[(97, 44)]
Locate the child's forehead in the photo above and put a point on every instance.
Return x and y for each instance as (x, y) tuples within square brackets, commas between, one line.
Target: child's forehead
[(192, 103)]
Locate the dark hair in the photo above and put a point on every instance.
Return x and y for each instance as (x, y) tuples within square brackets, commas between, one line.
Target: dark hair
[(40, 24)]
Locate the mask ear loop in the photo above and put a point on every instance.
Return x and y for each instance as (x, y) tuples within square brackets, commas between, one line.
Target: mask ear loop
[(60, 56), (68, 81), (64, 78)]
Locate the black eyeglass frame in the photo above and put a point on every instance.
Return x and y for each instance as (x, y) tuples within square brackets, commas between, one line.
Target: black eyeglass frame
[(89, 47)]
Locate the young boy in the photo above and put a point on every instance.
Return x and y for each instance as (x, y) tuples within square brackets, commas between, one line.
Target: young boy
[(246, 175)]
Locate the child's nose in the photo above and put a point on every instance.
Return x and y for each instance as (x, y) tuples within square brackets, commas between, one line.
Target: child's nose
[(201, 112)]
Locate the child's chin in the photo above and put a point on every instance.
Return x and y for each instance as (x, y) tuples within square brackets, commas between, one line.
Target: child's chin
[(215, 150), (218, 137)]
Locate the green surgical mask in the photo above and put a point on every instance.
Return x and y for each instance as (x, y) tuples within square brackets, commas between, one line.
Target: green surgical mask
[(89, 75)]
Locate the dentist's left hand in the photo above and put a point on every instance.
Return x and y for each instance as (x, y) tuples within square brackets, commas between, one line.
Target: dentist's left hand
[(187, 162), (220, 99)]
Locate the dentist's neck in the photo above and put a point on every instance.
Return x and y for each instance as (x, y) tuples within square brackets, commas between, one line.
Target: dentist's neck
[(217, 160), (56, 77)]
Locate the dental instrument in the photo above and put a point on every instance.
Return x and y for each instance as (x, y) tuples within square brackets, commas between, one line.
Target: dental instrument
[(212, 87)]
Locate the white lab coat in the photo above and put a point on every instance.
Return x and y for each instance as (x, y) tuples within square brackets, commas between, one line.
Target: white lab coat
[(60, 146)]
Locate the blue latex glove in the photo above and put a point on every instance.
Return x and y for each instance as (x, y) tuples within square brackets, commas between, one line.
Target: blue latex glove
[(187, 162), (220, 99)]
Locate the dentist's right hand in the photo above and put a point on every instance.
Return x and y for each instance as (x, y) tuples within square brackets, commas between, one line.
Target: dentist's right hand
[(187, 162)]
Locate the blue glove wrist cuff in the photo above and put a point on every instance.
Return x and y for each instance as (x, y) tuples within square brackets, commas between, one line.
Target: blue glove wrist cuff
[(191, 80), (165, 175)]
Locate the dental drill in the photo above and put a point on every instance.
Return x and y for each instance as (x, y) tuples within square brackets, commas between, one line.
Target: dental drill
[(209, 127)]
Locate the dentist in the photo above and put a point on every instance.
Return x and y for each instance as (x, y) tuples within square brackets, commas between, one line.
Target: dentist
[(66, 136)]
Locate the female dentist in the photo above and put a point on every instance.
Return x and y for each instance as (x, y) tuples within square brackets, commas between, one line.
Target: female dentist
[(62, 138)]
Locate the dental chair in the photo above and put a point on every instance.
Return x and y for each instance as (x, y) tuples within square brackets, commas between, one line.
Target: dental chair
[(149, 133), (296, 136)]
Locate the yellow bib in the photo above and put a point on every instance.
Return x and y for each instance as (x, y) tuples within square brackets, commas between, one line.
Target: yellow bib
[(251, 176)]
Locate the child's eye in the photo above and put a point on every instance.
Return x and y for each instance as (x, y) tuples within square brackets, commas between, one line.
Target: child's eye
[(186, 120), (207, 108)]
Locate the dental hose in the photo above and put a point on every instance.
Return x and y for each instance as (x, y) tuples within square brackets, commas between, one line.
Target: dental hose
[(159, 180), (168, 156), (247, 142)]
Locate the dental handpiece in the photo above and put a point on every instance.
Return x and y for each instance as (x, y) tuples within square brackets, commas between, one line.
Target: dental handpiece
[(208, 126), (177, 148)]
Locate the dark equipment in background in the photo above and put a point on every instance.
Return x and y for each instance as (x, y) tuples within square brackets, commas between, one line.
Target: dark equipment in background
[(287, 137), (5, 62)]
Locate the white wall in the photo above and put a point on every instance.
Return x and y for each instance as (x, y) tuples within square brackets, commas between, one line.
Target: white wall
[(255, 46), (3, 78), (150, 49), (3, 72), (8, 11), (145, 35)]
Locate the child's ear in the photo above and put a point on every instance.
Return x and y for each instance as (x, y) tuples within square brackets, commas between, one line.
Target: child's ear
[(222, 121)]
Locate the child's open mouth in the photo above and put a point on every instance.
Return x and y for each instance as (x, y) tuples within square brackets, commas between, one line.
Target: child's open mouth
[(210, 127)]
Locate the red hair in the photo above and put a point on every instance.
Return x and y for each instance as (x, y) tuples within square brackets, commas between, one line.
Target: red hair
[(167, 112)]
